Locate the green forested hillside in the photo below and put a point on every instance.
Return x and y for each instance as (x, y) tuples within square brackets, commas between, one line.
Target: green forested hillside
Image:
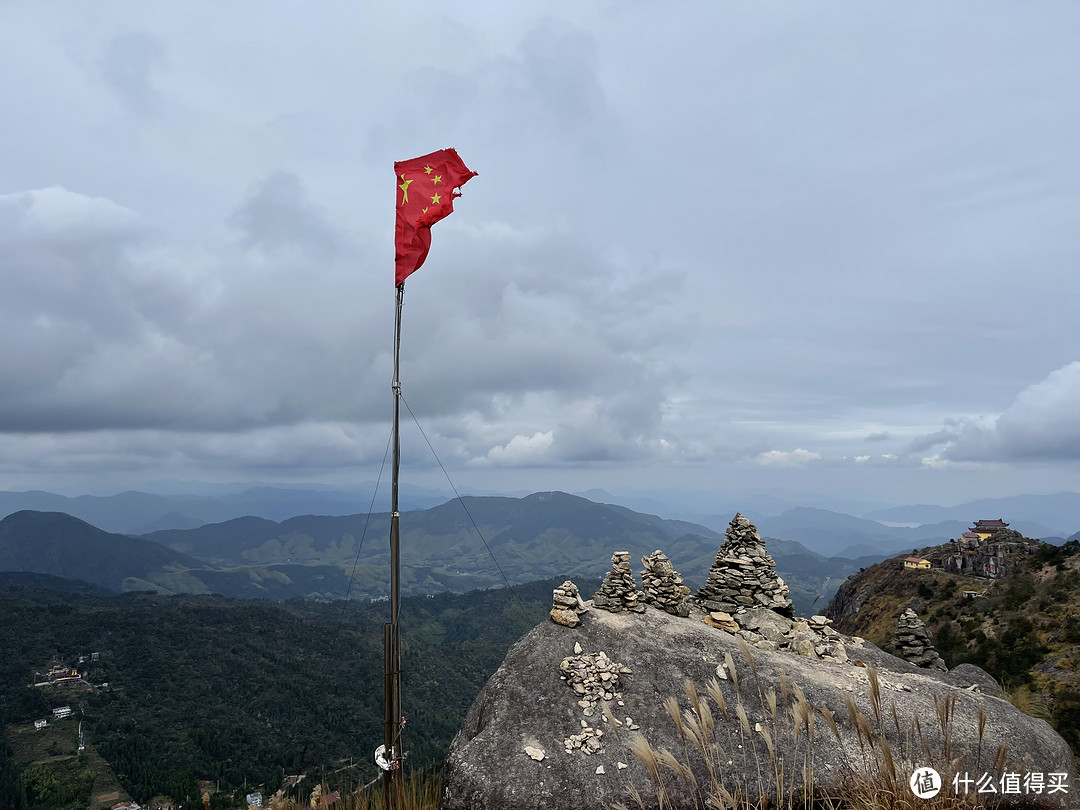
[(203, 687), (1024, 629)]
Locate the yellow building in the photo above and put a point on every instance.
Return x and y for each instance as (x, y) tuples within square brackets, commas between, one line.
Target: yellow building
[(916, 562)]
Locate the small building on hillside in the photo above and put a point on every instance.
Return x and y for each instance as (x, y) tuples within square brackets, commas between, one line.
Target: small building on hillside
[(40, 723), (916, 562), (986, 529), (61, 711)]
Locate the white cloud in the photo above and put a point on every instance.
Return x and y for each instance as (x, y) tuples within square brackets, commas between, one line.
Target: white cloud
[(780, 458), (1042, 423), (522, 450), (57, 213)]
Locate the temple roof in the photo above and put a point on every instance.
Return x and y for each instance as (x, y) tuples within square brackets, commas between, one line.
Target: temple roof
[(990, 524)]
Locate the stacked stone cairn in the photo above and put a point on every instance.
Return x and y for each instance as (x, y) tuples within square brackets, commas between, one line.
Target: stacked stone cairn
[(913, 642), (618, 592), (567, 605), (743, 575), (662, 587)]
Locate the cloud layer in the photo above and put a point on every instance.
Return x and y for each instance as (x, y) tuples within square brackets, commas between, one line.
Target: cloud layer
[(708, 246)]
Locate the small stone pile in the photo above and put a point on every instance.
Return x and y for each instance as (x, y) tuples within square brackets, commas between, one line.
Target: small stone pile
[(814, 638), (587, 741), (594, 677), (661, 585), (618, 592), (913, 642), (723, 620), (567, 605), (744, 575)]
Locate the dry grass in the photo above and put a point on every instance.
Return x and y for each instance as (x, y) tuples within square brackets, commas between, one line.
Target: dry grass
[(421, 792), (887, 749)]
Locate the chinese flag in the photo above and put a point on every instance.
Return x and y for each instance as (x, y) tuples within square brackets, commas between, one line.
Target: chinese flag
[(426, 187)]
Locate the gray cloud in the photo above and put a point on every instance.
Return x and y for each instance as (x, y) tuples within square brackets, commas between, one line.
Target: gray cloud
[(277, 215), (128, 65), (700, 235)]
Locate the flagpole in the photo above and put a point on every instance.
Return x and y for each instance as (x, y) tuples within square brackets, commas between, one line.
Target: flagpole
[(392, 632), (430, 203)]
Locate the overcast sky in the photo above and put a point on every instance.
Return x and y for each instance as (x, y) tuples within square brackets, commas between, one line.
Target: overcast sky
[(721, 247)]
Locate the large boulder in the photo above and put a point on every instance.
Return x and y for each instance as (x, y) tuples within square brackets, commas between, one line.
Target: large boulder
[(556, 726)]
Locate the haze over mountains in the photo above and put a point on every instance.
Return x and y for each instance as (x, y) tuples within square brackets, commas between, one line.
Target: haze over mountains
[(328, 557), (136, 512), (520, 540)]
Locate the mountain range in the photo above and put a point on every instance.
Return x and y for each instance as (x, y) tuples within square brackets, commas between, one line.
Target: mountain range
[(479, 542), (188, 505)]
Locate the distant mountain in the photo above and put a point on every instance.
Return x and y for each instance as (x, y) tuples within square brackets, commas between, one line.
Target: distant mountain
[(171, 520), (1058, 513), (64, 546), (544, 534), (39, 547), (838, 534), (141, 512), (828, 533), (547, 534)]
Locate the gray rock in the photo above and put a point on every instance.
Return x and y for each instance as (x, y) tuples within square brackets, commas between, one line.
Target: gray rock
[(663, 651), (768, 623)]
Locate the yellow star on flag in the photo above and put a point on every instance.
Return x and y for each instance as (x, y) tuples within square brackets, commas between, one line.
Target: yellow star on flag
[(435, 200), (436, 179), (427, 170)]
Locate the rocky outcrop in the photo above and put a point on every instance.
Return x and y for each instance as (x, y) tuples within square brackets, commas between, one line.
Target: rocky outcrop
[(993, 558), (662, 586), (525, 743), (849, 598), (913, 642), (618, 591), (744, 575)]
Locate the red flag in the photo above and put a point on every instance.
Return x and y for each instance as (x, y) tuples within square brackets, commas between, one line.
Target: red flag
[(426, 187)]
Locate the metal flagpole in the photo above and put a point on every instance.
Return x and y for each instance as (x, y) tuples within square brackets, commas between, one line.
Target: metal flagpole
[(393, 721)]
